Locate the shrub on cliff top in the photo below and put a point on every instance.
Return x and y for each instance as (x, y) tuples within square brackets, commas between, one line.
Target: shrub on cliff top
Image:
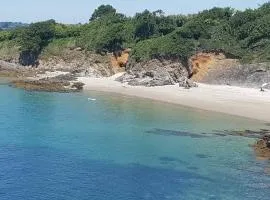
[(243, 34)]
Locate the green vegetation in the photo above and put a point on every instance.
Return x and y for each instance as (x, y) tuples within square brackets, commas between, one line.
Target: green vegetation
[(58, 48), (9, 50), (11, 25), (241, 34)]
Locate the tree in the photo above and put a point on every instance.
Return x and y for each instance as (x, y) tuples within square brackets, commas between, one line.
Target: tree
[(145, 25), (33, 38), (102, 11)]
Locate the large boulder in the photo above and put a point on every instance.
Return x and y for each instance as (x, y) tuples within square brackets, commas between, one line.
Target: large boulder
[(187, 83), (238, 74), (154, 73)]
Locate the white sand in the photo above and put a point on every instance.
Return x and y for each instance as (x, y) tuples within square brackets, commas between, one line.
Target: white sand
[(48, 74), (245, 102)]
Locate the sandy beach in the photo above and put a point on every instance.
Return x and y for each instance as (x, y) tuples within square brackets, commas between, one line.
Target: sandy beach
[(244, 102)]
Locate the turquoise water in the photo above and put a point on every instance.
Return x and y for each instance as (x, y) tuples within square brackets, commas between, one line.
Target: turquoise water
[(62, 146)]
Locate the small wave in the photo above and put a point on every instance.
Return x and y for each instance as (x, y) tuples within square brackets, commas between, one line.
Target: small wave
[(90, 99)]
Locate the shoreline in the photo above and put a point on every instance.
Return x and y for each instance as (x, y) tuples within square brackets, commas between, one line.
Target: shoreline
[(243, 102)]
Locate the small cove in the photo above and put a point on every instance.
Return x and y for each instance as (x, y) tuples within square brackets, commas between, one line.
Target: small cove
[(63, 146)]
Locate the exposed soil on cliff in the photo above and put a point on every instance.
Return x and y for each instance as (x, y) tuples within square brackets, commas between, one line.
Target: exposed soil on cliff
[(205, 64), (216, 68), (120, 59), (201, 63)]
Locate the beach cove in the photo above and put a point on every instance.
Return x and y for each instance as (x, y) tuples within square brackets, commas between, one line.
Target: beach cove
[(239, 101), (109, 148)]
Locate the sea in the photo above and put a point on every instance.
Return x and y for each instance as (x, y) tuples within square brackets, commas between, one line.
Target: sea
[(105, 146)]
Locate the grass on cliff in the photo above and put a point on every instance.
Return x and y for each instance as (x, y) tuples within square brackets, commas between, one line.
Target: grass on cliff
[(58, 48), (9, 50)]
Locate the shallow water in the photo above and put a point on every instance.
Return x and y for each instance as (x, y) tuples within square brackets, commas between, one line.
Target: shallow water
[(63, 146)]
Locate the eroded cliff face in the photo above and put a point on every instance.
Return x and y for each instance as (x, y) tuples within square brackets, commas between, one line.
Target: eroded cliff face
[(246, 75), (216, 68), (120, 59), (80, 62), (77, 61), (203, 65)]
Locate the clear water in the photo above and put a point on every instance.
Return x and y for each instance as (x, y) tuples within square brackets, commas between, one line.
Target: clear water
[(62, 146)]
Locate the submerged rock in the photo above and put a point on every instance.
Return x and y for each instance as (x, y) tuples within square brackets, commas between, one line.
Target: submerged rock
[(78, 86), (245, 133), (262, 147), (166, 132), (41, 85)]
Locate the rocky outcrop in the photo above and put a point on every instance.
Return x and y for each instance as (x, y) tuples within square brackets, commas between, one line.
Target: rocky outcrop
[(187, 83), (203, 65), (81, 62), (154, 73), (76, 61), (61, 83), (13, 70), (246, 75), (28, 58), (216, 68), (210, 68), (262, 147)]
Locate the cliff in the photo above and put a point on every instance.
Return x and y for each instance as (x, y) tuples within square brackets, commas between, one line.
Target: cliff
[(216, 68), (208, 47), (204, 67), (210, 68)]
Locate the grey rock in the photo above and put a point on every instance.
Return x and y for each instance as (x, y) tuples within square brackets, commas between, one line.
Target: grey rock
[(78, 86), (244, 75), (268, 144), (153, 73), (187, 83), (191, 83)]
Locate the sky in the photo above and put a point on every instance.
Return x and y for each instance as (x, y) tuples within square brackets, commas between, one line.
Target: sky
[(79, 11)]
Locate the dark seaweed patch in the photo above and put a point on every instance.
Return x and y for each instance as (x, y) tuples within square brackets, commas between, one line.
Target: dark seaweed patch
[(166, 132), (202, 156), (245, 133), (220, 134), (193, 168), (166, 160)]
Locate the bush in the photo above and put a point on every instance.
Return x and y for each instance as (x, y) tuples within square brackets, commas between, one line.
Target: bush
[(242, 34)]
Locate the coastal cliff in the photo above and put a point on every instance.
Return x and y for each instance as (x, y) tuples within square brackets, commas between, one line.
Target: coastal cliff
[(216, 68), (211, 68), (215, 46)]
